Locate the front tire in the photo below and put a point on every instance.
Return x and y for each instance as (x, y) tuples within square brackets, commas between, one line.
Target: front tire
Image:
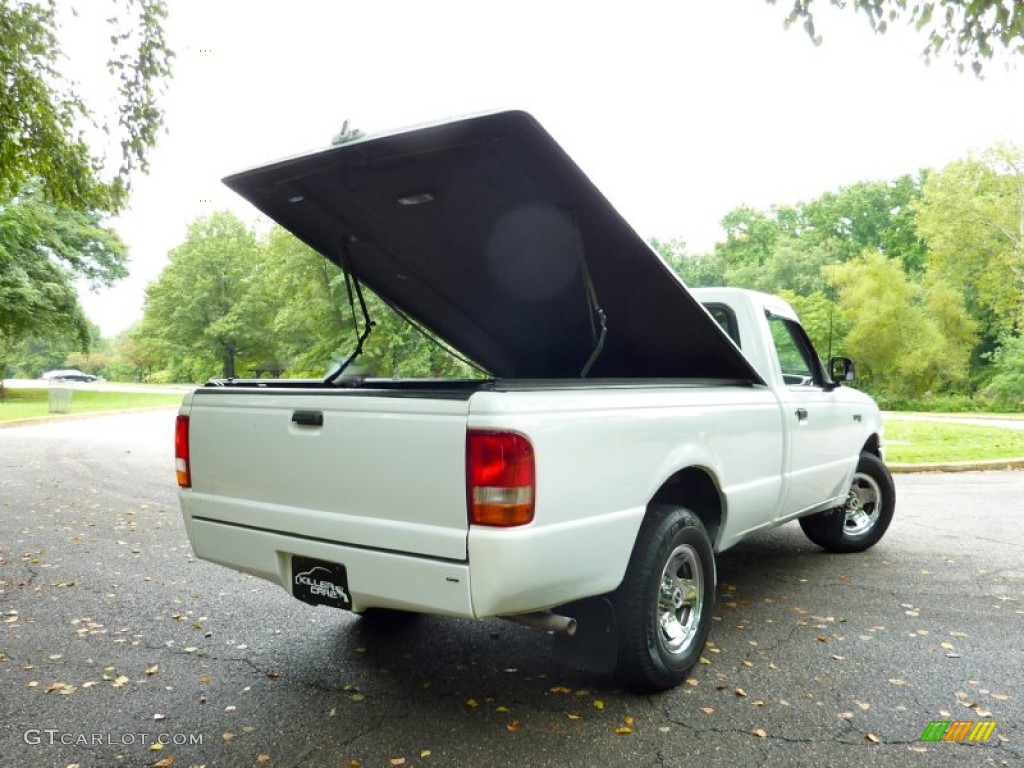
[(665, 601), (862, 521)]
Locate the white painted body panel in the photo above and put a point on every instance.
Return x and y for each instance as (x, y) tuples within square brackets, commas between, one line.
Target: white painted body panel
[(380, 486)]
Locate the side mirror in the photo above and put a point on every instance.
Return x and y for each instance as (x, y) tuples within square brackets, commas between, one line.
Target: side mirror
[(841, 369)]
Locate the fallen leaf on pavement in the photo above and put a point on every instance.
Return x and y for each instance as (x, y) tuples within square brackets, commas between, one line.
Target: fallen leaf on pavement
[(761, 733)]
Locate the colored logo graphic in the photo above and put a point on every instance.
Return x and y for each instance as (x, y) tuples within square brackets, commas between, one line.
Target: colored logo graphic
[(958, 730)]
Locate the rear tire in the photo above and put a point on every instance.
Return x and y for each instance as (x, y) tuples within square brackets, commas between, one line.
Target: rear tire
[(665, 601), (862, 521)]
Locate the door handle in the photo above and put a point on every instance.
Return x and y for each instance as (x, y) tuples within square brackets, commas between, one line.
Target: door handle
[(308, 418), (801, 414)]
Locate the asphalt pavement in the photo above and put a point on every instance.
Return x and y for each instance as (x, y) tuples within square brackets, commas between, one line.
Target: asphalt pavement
[(114, 640)]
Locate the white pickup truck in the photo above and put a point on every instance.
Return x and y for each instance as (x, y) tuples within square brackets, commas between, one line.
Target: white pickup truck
[(626, 430)]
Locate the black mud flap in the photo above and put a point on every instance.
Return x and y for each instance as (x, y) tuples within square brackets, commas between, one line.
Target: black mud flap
[(594, 645)]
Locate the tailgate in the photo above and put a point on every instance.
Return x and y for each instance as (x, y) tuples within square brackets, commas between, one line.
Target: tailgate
[(368, 470)]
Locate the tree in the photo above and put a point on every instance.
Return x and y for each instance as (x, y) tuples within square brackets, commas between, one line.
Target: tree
[(204, 312), (43, 118), (910, 338), (311, 324), (750, 236), (833, 228), (972, 217), (821, 318), (696, 270), (794, 265), (34, 355), (135, 358), (969, 31), (868, 215), (1006, 387), (43, 250)]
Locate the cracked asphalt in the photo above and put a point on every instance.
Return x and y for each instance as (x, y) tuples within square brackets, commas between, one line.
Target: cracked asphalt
[(114, 637)]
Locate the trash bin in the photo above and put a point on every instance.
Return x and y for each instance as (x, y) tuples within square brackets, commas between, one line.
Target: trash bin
[(60, 399)]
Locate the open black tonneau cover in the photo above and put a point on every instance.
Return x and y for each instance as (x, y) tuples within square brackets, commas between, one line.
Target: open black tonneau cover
[(484, 231)]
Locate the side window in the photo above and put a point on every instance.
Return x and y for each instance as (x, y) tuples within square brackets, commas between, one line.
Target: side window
[(795, 356), (724, 316)]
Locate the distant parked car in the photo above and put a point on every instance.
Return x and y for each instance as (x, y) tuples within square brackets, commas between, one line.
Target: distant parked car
[(69, 374)]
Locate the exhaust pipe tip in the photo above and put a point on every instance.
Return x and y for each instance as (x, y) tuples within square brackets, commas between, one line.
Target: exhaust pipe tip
[(545, 620)]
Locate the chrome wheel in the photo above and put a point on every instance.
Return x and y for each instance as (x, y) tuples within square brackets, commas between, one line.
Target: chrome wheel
[(859, 522), (680, 599), (863, 505), (664, 604)]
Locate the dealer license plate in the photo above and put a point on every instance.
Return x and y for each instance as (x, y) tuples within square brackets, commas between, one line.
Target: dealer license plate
[(319, 582)]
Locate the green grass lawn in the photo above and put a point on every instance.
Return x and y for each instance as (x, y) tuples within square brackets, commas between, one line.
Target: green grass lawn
[(913, 442), (35, 403)]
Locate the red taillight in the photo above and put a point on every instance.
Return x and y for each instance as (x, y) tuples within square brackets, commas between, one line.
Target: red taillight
[(181, 452), (500, 478)]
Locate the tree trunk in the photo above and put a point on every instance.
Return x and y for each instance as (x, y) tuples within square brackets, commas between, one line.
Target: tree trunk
[(229, 362)]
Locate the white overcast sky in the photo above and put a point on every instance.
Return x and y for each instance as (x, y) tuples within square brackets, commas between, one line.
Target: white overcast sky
[(678, 111)]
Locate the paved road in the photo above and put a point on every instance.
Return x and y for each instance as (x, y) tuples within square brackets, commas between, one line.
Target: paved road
[(816, 659)]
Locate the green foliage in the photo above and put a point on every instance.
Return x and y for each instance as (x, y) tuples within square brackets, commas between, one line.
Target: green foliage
[(787, 245), (43, 119), (750, 236), (232, 300), (43, 250), (696, 270), (968, 31), (869, 215), (52, 184), (205, 312), (793, 265), (905, 344), (821, 318), (310, 321), (1006, 387), (32, 356), (972, 217)]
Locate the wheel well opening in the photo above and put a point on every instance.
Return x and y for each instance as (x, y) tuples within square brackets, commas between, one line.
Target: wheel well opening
[(873, 446), (696, 490)]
